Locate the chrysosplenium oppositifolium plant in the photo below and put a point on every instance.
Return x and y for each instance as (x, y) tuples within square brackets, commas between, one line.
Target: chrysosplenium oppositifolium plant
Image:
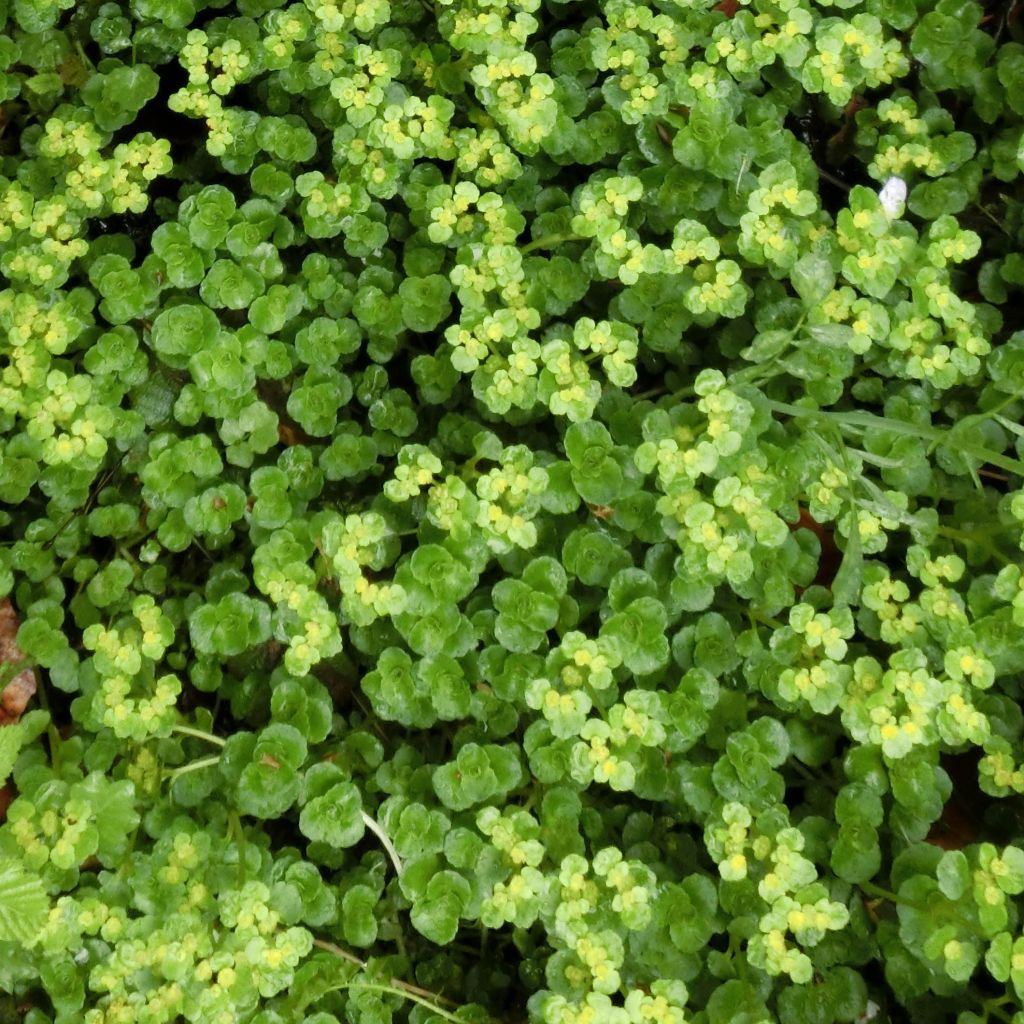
[(514, 511)]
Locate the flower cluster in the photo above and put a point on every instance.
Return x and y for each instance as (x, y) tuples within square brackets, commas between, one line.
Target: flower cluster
[(127, 695)]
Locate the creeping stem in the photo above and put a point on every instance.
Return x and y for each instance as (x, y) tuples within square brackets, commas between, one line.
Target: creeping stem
[(879, 893), (549, 242), (869, 421), (423, 996), (199, 734), (385, 841), (193, 766), (406, 994), (206, 762)]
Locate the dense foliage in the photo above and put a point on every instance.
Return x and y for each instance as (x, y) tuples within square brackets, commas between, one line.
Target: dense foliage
[(514, 511)]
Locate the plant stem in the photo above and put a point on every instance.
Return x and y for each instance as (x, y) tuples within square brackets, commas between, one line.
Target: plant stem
[(829, 177), (549, 242), (199, 734), (237, 831), (869, 421), (996, 1011), (84, 57), (405, 993), (193, 766), (887, 894), (662, 389), (644, 395), (877, 891), (52, 732), (129, 557), (966, 537), (425, 997), (994, 1007), (766, 620), (992, 217), (342, 954), (372, 825)]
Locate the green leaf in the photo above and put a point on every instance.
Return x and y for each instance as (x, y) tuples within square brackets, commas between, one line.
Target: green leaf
[(596, 473), (23, 903), (171, 13), (736, 1001), (418, 831), (846, 584), (335, 818), (448, 578), (116, 97), (12, 738), (230, 626), (436, 915), (229, 285), (1011, 877), (357, 915), (771, 738), (1010, 68), (813, 278), (593, 557), (315, 402), (931, 199), (638, 632), (477, 774), (39, 640), (348, 456), (64, 985), (425, 302), (270, 782), (110, 583), (855, 855), (183, 331), (689, 910), (954, 874), (997, 959), (524, 615), (114, 814)]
